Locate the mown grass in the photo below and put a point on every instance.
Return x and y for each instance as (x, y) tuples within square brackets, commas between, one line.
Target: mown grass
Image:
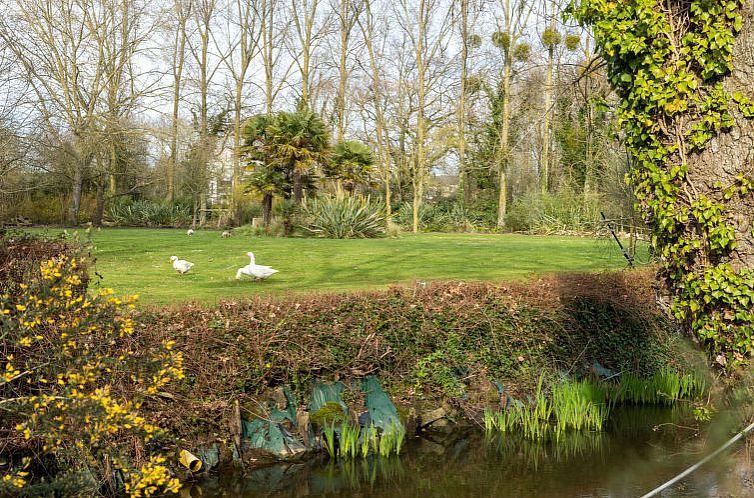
[(136, 261)]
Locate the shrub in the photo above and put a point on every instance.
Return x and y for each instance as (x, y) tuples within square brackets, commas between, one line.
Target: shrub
[(564, 211), (22, 253), (74, 381), (441, 216), (344, 217)]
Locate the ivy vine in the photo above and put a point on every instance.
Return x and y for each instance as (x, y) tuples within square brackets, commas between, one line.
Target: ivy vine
[(666, 61)]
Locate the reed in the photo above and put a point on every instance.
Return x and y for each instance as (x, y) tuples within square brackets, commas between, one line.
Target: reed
[(365, 439), (665, 387), (329, 431), (580, 405), (349, 440)]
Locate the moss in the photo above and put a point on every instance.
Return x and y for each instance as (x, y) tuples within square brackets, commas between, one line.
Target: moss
[(330, 413)]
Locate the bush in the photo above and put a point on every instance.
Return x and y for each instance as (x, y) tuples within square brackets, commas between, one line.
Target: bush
[(22, 253), (148, 213), (75, 379), (441, 216), (344, 217), (564, 211)]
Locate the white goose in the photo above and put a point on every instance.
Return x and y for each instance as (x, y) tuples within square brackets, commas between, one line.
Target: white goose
[(181, 265), (258, 272)]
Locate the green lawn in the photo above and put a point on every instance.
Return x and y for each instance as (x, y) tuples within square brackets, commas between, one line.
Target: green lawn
[(136, 261)]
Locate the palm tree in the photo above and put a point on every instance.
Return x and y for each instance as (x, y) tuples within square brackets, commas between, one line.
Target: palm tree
[(351, 163), (300, 142), (283, 150)]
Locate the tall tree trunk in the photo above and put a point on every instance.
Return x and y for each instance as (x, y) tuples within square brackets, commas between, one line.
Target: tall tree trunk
[(77, 188), (421, 124), (504, 152), (464, 186), (380, 127), (179, 53), (266, 209), (544, 168), (99, 208)]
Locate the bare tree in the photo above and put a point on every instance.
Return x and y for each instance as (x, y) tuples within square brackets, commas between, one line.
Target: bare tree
[(181, 9), (207, 64), (57, 46), (427, 27), (376, 91), (515, 15), (308, 33), (244, 47)]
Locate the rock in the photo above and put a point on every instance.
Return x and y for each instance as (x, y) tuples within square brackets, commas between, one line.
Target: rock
[(412, 422), (432, 416), (279, 399)]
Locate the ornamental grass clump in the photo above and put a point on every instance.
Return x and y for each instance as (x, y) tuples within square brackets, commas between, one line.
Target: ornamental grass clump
[(74, 380)]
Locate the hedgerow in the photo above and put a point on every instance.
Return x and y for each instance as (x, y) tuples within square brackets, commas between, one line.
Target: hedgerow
[(445, 341)]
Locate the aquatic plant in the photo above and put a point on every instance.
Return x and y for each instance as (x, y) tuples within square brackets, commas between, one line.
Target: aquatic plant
[(365, 440)]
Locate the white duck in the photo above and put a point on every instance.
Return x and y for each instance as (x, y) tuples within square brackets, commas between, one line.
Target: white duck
[(181, 265), (258, 272)]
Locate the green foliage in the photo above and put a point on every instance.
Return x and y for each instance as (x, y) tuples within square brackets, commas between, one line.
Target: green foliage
[(281, 151), (664, 387), (580, 405), (501, 40), (338, 217), (522, 52), (668, 76), (351, 162), (143, 212)]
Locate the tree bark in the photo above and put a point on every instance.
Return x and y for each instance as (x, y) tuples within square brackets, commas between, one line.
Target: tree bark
[(77, 188), (730, 153), (267, 209), (99, 208)]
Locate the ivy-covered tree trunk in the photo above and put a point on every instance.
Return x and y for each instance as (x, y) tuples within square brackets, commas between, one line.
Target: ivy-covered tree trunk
[(682, 70)]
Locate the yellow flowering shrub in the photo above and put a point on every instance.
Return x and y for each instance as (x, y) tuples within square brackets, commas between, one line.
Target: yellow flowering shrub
[(74, 377)]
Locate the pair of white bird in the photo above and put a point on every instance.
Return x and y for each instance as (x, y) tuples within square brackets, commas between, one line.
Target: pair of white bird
[(258, 272)]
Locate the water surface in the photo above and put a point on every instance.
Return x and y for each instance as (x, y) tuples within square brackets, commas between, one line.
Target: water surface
[(639, 449)]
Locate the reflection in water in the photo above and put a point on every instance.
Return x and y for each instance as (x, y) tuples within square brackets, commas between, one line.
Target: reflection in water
[(639, 449)]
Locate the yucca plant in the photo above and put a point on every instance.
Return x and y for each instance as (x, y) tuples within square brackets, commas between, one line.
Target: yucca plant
[(341, 217), (148, 213)]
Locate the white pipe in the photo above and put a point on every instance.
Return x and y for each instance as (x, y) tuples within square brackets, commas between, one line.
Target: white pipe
[(700, 463)]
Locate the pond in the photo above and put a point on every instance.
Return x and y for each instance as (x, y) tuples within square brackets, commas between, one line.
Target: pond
[(639, 449)]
